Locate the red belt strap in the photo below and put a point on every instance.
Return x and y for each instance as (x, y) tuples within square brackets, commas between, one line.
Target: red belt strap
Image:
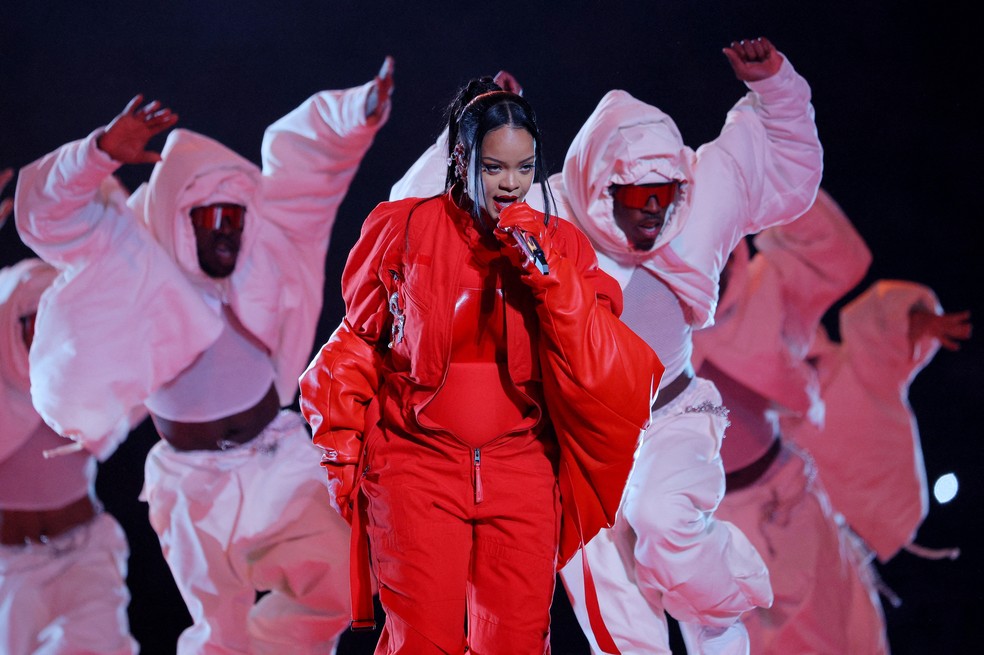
[(598, 628), (363, 612), (595, 620)]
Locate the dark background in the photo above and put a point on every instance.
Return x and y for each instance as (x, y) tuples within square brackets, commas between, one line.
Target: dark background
[(892, 85)]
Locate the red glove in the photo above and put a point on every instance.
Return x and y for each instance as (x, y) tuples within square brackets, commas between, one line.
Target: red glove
[(341, 484), (520, 222)]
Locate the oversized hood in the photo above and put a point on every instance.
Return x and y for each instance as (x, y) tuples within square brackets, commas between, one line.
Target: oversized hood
[(624, 141), (195, 170), (21, 286)]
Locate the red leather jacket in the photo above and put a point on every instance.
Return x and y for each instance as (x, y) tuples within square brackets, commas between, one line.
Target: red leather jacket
[(399, 286)]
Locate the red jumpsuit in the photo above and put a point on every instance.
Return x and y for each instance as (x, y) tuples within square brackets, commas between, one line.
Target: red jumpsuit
[(493, 417)]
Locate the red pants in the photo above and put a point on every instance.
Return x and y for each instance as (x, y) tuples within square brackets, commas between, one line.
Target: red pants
[(443, 557)]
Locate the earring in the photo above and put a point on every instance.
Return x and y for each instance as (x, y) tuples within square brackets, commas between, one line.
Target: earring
[(458, 157)]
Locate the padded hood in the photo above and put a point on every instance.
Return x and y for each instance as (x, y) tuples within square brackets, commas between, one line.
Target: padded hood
[(624, 141), (195, 170)]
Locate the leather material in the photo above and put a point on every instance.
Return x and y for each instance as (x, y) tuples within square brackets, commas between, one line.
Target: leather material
[(590, 374), (599, 379), (19, 527), (520, 216), (344, 371), (477, 402)]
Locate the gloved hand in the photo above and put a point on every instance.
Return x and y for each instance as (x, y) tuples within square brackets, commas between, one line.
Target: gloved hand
[(521, 220), (341, 484)]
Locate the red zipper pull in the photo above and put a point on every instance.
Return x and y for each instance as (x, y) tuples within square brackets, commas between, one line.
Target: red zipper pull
[(479, 491)]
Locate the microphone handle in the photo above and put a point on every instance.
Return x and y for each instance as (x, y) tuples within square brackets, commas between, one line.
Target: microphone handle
[(531, 247)]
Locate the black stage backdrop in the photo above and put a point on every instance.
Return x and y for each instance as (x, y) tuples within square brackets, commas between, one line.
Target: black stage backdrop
[(891, 80)]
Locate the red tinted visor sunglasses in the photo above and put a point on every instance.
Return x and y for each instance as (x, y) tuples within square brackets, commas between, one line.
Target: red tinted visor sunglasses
[(214, 217), (636, 196)]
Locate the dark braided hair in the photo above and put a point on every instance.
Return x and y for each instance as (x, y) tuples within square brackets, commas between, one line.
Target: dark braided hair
[(486, 112), (476, 87)]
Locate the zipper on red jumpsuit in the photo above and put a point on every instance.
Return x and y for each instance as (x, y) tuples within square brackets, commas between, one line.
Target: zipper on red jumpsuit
[(479, 491)]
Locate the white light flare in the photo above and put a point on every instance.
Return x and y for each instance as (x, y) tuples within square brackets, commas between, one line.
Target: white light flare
[(946, 488)]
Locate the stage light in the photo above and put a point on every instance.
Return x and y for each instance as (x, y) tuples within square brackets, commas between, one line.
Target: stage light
[(945, 488)]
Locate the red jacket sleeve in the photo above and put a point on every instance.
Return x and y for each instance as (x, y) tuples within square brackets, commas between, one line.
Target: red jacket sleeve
[(599, 380), (344, 377)]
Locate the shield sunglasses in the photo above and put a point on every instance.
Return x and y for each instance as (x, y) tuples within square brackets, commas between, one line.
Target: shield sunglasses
[(214, 217), (636, 196)]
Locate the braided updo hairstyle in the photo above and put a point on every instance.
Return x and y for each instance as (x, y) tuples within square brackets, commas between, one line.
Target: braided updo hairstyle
[(484, 112)]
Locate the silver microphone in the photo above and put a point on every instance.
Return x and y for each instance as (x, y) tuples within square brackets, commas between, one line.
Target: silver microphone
[(531, 247)]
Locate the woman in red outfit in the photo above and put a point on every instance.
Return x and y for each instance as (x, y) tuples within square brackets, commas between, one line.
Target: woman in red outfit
[(478, 406)]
